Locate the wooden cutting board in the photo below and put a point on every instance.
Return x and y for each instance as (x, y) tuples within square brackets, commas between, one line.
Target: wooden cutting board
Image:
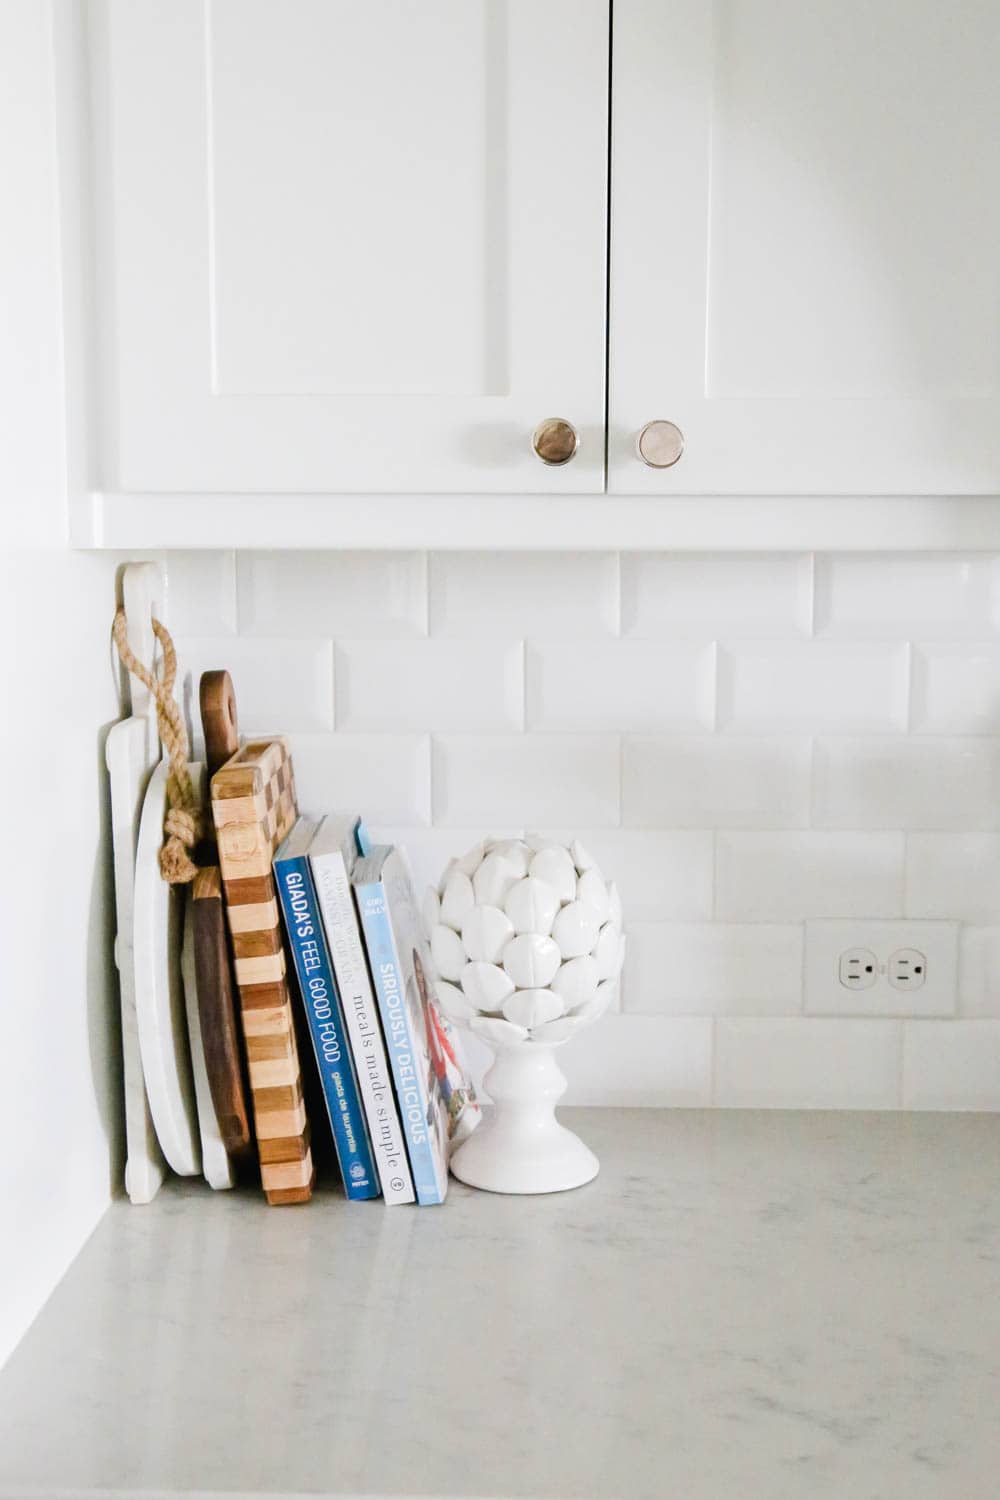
[(217, 1006), (253, 806), (215, 1160), (217, 1003)]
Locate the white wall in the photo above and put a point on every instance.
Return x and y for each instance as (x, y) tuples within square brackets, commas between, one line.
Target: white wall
[(58, 1099), (751, 745)]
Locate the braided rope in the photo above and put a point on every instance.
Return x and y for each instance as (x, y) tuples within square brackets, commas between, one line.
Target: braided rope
[(182, 823)]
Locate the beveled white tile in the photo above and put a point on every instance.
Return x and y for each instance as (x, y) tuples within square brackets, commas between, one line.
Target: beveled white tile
[(907, 783), (951, 1065), (429, 850), (358, 594), (620, 685), (800, 686), (707, 781), (807, 1064), (281, 686), (714, 968), (955, 876), (789, 877), (899, 595), (712, 594), (433, 685), (526, 780), (644, 1061), (201, 593), (557, 595), (662, 877), (386, 778), (979, 971), (956, 688)]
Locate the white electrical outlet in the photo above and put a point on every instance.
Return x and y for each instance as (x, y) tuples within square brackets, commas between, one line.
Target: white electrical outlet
[(907, 969), (881, 968), (858, 968)]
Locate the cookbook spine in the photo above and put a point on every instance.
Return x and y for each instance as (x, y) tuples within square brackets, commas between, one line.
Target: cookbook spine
[(326, 1027), (388, 980), (343, 937)]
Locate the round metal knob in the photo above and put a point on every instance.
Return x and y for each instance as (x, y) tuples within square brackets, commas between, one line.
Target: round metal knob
[(660, 444), (555, 440)]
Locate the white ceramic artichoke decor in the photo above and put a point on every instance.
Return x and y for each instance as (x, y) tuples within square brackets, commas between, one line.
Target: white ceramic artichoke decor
[(527, 942)]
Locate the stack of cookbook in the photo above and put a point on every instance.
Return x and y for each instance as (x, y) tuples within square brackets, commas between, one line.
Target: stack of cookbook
[(395, 1089)]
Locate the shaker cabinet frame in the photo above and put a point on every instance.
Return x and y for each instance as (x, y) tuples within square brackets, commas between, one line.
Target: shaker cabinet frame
[(326, 278)]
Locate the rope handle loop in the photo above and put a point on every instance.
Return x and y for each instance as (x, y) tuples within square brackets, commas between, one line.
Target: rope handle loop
[(182, 824)]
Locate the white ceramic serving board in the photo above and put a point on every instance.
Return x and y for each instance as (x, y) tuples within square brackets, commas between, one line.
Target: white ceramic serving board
[(216, 1165), (127, 757), (132, 749), (158, 924)]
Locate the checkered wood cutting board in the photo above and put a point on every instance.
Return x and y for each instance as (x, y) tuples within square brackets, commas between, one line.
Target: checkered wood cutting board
[(253, 806)]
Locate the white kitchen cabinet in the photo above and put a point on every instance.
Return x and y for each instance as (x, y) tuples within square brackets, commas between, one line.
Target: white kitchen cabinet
[(349, 257), (805, 265), (349, 247)]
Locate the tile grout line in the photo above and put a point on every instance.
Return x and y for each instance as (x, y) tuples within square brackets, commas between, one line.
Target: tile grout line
[(713, 1050), (619, 617), (811, 589), (234, 579), (432, 791)]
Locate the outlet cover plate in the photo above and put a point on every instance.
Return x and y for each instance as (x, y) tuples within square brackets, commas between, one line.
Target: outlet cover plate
[(826, 941)]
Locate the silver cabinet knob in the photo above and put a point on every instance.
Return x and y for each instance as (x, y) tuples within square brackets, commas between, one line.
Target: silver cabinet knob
[(555, 440), (660, 444)]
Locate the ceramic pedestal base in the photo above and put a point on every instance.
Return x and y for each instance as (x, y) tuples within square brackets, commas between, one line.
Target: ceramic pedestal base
[(522, 1148)]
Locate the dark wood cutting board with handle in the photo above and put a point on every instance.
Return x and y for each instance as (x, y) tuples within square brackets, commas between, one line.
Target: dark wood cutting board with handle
[(220, 1026)]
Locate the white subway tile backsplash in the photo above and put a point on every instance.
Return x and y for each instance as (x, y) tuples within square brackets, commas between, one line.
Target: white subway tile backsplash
[(620, 685), (201, 593), (384, 777), (907, 783), (786, 877), (703, 781), (281, 686), (798, 686), (645, 1061), (429, 684), (716, 968), (662, 877), (979, 971), (450, 695), (357, 594), (807, 1064), (951, 1066), (956, 688), (955, 876), (526, 780), (707, 595), (896, 595), (557, 596)]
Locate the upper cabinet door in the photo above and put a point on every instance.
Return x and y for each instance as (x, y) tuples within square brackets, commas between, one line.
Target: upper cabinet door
[(805, 270), (350, 245)]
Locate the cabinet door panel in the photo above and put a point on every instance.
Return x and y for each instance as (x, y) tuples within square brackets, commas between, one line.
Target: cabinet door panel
[(806, 245), (352, 246)]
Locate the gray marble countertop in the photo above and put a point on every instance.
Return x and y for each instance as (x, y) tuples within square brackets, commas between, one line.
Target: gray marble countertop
[(755, 1306)]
